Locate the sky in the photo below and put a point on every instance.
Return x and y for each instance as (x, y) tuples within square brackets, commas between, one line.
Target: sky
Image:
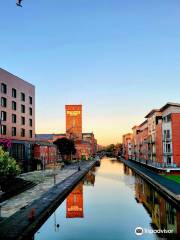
[(118, 58)]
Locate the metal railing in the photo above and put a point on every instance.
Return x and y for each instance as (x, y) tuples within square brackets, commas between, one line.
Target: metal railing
[(155, 164)]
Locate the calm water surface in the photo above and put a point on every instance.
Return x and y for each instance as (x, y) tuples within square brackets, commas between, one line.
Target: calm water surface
[(109, 204)]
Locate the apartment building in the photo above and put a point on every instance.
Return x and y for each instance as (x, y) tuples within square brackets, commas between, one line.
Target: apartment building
[(17, 119), (156, 141), (154, 138), (127, 151), (171, 134)]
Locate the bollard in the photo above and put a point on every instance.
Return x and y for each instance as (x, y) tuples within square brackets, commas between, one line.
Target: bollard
[(31, 214)]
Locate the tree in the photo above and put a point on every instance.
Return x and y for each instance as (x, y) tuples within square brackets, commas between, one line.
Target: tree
[(110, 148), (66, 147), (8, 168)]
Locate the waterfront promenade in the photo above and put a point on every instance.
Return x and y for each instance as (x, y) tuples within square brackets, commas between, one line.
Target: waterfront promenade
[(171, 189), (44, 180), (20, 224)]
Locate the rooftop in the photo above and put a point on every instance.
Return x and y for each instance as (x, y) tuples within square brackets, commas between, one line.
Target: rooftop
[(152, 112), (10, 75), (169, 104)]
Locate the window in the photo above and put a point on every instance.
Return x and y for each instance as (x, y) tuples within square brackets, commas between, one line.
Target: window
[(3, 88), (22, 120), (14, 93), (168, 117), (168, 148), (30, 133), (23, 97), (169, 160), (30, 100), (13, 131), (30, 111), (167, 134), (3, 116), (3, 129), (22, 132), (14, 105), (30, 122), (3, 102), (13, 118), (22, 108)]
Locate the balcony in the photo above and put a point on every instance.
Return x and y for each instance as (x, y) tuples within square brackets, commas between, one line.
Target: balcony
[(167, 153), (167, 139), (155, 164)]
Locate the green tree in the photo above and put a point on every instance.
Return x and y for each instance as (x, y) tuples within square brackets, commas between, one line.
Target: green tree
[(8, 168), (66, 147), (110, 148)]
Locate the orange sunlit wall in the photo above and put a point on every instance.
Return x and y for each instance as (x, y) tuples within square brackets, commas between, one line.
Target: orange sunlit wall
[(176, 137), (74, 121), (159, 142), (74, 203)]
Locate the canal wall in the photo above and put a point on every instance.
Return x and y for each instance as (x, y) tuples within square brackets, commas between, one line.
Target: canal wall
[(28, 220), (169, 189)]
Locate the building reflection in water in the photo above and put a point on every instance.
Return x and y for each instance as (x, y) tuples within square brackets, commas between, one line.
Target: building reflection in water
[(127, 170), (74, 201), (163, 214), (89, 180)]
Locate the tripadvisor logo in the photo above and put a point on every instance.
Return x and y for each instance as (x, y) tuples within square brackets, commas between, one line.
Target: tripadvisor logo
[(139, 231)]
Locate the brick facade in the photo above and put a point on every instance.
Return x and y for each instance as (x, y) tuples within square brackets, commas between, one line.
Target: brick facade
[(156, 142)]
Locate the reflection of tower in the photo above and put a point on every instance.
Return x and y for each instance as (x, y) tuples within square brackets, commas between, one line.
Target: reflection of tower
[(74, 121), (74, 203)]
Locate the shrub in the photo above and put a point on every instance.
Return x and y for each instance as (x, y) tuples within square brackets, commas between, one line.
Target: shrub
[(8, 167)]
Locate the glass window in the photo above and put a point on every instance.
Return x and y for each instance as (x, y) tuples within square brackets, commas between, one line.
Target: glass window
[(22, 120), (168, 133), (30, 111), (30, 133), (13, 118), (3, 88), (30, 122), (22, 108), (30, 100), (3, 116), (3, 102), (23, 97), (13, 92), (168, 118), (14, 105), (3, 129), (22, 132), (13, 131)]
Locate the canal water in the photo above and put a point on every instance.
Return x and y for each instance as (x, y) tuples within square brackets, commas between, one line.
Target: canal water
[(109, 204)]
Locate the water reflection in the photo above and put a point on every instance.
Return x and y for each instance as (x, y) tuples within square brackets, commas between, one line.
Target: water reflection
[(162, 213), (74, 203), (89, 180), (108, 204)]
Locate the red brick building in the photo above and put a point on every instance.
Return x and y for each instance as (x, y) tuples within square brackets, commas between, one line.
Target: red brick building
[(17, 111), (127, 138), (171, 134), (74, 121), (45, 153), (85, 144), (89, 137), (156, 142)]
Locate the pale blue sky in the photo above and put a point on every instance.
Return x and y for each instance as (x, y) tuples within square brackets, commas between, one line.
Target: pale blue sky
[(119, 58)]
